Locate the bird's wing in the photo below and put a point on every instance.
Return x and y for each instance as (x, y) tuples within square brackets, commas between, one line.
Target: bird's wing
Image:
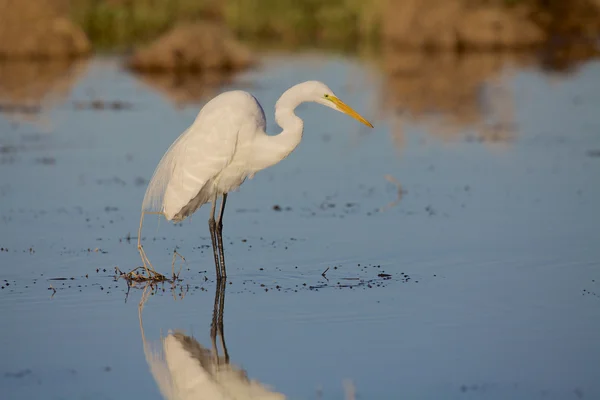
[(153, 198), (196, 157)]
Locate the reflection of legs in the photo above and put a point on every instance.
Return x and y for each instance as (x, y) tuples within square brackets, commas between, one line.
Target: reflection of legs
[(143, 300), (212, 228), (216, 327), (145, 259), (223, 285), (220, 236)]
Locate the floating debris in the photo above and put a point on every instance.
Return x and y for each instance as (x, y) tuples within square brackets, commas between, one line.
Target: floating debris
[(102, 105)]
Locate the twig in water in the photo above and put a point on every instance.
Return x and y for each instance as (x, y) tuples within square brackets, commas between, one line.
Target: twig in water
[(128, 289), (134, 276), (53, 290), (324, 272), (175, 254)]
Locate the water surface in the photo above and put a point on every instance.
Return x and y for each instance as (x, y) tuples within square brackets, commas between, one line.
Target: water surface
[(481, 281)]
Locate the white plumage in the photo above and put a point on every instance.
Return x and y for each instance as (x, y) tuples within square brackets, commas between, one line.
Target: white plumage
[(212, 155), (197, 375), (185, 370), (226, 144)]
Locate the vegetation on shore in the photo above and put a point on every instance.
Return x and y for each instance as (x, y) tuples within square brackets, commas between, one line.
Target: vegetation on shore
[(112, 24), (124, 23), (73, 27)]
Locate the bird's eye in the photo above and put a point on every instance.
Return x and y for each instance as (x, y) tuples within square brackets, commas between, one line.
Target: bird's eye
[(326, 96)]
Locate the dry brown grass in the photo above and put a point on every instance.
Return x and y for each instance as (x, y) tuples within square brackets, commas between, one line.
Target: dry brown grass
[(39, 29), (194, 47), (487, 24), (459, 24)]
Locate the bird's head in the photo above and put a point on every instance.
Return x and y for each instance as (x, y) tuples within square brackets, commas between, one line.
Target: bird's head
[(322, 94)]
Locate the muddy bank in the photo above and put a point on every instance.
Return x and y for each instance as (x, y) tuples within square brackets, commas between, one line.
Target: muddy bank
[(40, 30), (63, 28), (410, 24), (194, 47), (184, 40), (492, 25)]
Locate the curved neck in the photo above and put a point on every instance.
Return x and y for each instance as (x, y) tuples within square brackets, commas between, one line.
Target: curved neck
[(269, 150)]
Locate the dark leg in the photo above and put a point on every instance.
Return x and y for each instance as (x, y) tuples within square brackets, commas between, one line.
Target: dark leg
[(222, 287), (216, 327), (214, 324), (220, 236), (213, 237)]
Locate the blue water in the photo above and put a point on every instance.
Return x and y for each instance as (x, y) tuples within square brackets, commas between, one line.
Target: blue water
[(492, 250)]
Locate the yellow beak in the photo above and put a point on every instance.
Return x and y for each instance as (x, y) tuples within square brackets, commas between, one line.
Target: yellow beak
[(343, 107)]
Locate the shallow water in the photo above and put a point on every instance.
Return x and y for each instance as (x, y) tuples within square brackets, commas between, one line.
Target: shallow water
[(492, 250)]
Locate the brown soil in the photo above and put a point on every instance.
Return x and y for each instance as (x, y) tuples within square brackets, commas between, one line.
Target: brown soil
[(39, 29), (193, 47), (487, 25)]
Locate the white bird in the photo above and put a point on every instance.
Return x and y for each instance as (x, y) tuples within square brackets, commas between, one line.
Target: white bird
[(185, 370), (225, 145)]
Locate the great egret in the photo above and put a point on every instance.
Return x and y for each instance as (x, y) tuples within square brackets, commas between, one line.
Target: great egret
[(185, 370), (225, 145)]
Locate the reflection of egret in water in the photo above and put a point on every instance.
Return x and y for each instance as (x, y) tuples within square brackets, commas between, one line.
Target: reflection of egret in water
[(452, 93), (27, 88), (184, 369)]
